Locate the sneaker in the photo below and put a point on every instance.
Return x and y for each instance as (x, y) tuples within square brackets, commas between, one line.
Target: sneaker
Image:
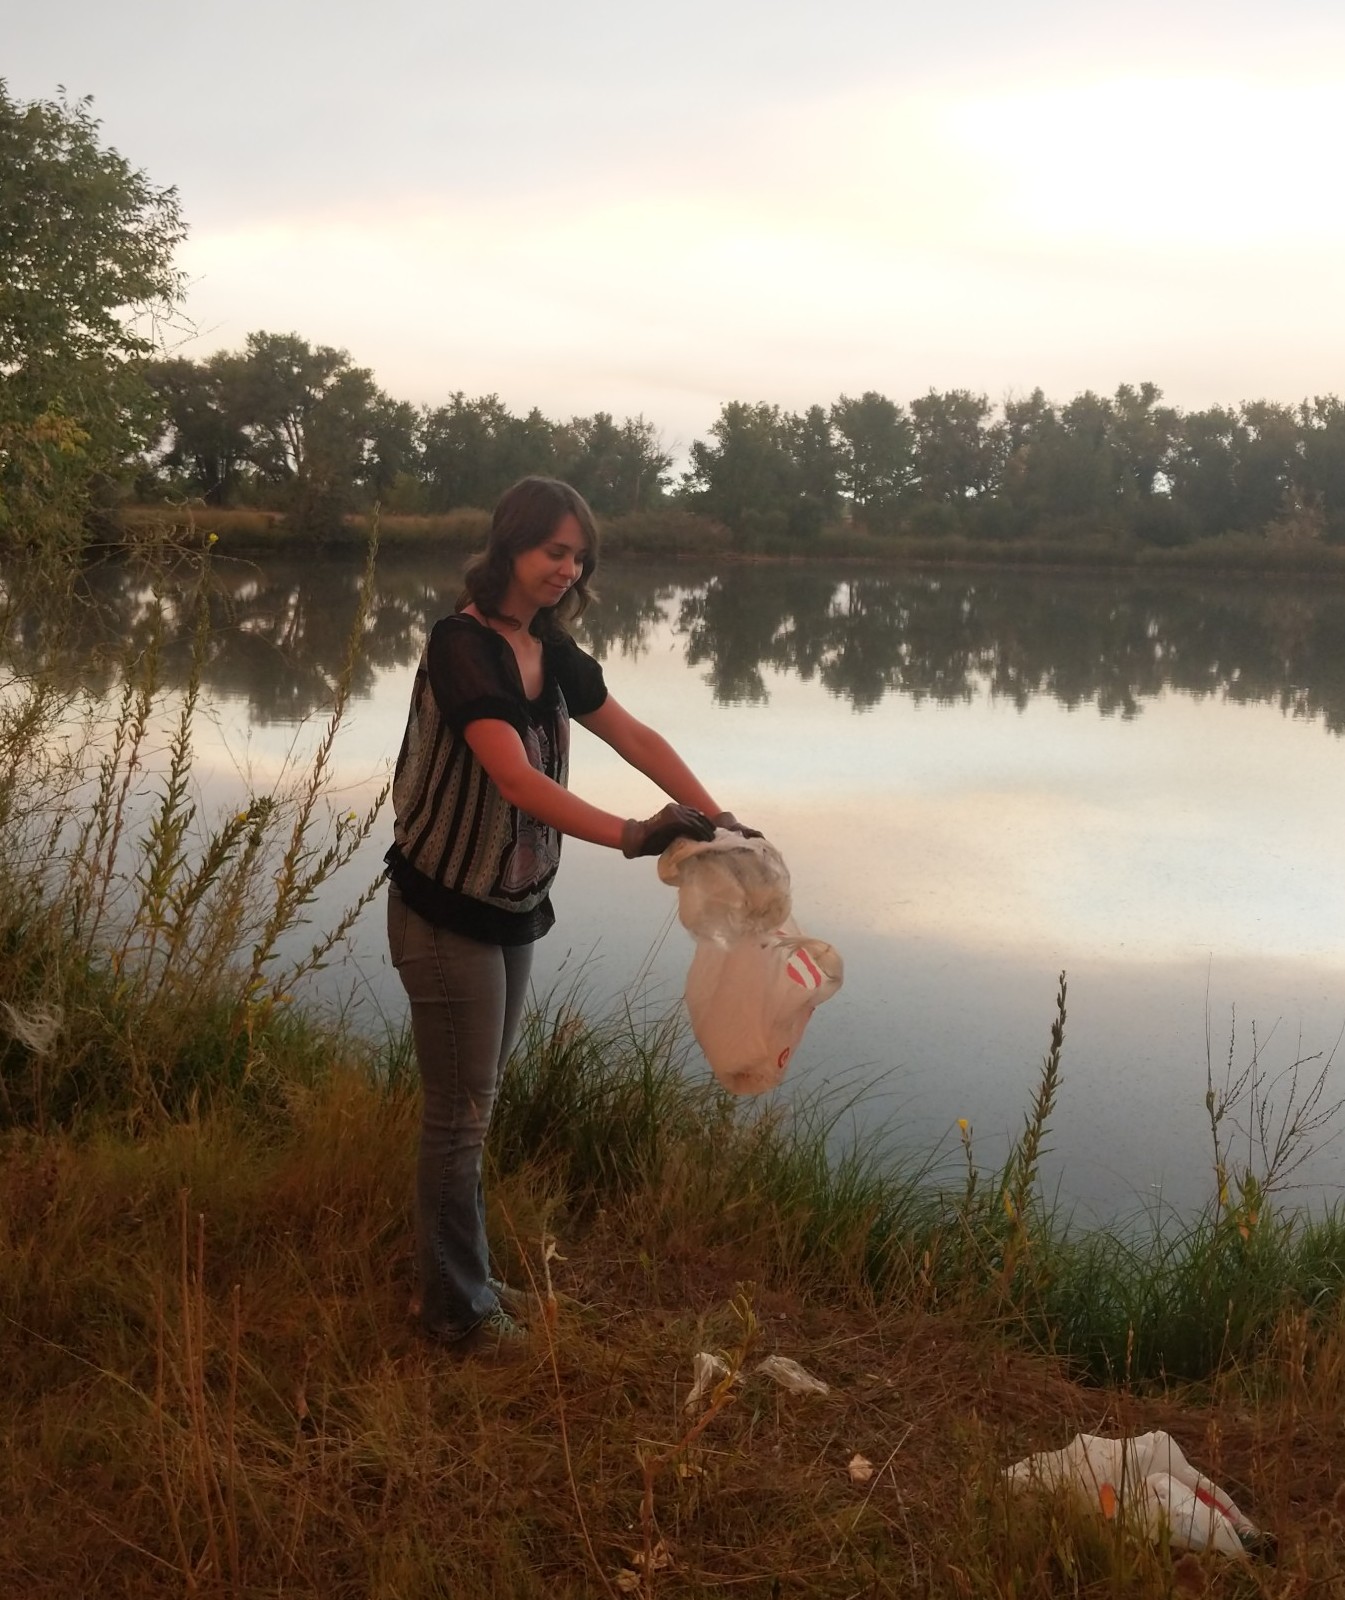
[(514, 1301), (496, 1337)]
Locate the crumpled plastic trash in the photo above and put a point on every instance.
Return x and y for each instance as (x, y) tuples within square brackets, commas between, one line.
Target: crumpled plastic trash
[(728, 887), (790, 1375), (1146, 1480), (755, 978), (706, 1371), (750, 1002)]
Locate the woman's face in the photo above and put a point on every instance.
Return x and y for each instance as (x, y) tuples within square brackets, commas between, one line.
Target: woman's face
[(545, 573)]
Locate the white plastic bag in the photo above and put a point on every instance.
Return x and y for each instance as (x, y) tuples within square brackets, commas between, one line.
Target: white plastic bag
[(749, 1002), (707, 1370), (755, 979), (1149, 1483), (790, 1375), (727, 888)]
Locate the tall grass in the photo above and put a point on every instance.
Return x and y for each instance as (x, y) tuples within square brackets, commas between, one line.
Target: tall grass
[(611, 1113), (211, 1388), (674, 532), (667, 532), (254, 530), (128, 917)]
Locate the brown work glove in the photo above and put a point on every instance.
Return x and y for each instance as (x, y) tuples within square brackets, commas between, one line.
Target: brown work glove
[(653, 836), (726, 819)]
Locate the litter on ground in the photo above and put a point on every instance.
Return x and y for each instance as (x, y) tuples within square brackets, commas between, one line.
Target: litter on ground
[(1147, 1481)]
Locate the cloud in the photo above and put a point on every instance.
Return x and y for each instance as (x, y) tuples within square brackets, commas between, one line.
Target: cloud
[(1148, 162), (1068, 233)]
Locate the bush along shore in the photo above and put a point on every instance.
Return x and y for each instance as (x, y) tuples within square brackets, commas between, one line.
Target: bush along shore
[(212, 1383), (678, 533)]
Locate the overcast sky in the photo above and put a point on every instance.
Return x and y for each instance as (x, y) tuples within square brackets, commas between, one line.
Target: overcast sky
[(656, 209)]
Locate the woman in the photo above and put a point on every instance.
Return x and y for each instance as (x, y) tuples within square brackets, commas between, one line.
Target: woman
[(480, 806)]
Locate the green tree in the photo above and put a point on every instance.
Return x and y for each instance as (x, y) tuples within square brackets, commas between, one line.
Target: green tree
[(617, 469), (87, 245), (745, 475), (1202, 469), (314, 425), (392, 454), (954, 447), (1084, 473), (1322, 425), (1024, 424), (1269, 469), (1062, 468), (1021, 444), (876, 456), (1144, 437), (472, 450), (812, 443), (202, 441)]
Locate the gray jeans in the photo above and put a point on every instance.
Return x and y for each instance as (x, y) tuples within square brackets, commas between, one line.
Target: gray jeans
[(466, 1002)]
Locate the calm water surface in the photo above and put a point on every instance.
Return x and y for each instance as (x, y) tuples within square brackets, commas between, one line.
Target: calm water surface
[(977, 782)]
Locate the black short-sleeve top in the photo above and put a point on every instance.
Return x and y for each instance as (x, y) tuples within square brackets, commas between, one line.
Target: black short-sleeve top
[(463, 857)]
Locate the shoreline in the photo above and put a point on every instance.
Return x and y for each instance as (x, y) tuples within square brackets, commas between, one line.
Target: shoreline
[(678, 536)]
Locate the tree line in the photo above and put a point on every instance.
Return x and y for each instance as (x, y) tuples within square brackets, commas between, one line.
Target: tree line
[(92, 413), (301, 429), (1123, 465)]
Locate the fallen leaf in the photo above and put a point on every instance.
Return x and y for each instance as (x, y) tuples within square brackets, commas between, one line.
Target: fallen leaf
[(654, 1560), (861, 1469)]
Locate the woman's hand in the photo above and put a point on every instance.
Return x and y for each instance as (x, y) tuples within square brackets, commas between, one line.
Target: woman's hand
[(728, 821), (653, 836)]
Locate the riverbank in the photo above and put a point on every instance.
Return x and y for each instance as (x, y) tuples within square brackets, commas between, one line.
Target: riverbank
[(213, 1387), (676, 534)]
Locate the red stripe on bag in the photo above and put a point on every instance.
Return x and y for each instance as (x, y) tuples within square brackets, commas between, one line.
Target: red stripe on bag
[(810, 971), (1212, 1501)]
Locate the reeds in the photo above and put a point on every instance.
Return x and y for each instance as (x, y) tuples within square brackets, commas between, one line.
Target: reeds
[(673, 532), (143, 925)]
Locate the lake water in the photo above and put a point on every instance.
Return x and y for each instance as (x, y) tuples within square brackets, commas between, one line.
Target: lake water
[(977, 780)]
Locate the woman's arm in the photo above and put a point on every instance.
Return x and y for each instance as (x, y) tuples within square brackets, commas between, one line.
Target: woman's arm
[(497, 746), (649, 752)]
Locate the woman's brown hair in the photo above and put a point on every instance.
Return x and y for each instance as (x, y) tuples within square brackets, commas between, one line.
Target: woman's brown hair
[(526, 516)]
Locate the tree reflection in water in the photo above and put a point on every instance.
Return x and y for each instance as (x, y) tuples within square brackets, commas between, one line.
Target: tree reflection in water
[(1111, 641)]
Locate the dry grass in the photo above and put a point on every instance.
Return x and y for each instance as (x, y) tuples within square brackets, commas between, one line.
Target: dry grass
[(671, 532), (250, 530), (212, 1389), (241, 530)]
